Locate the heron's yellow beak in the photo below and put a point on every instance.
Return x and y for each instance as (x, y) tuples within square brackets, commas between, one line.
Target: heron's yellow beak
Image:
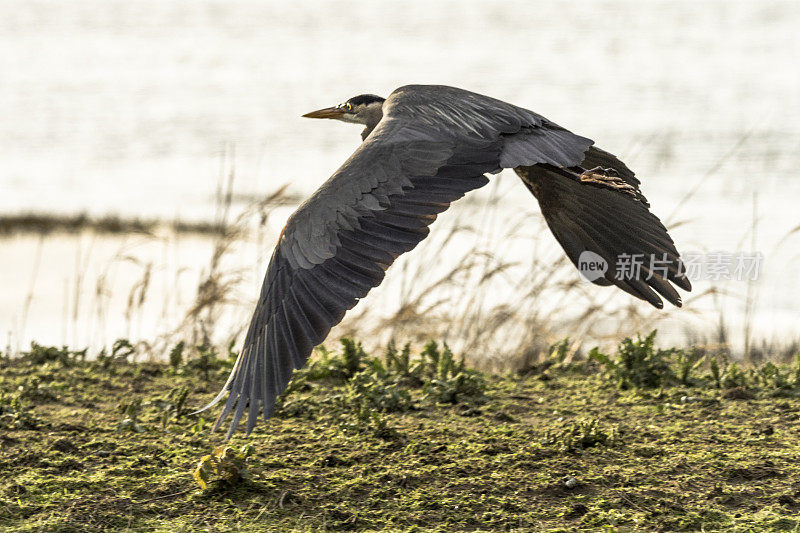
[(328, 112)]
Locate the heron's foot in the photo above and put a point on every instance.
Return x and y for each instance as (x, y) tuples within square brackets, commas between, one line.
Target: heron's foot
[(608, 178)]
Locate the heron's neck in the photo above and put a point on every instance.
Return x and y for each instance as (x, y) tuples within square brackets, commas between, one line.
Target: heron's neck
[(373, 115)]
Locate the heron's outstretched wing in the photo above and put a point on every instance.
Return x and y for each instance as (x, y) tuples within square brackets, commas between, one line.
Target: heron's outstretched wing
[(432, 146), (598, 207)]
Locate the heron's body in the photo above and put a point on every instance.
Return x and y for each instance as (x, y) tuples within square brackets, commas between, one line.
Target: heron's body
[(423, 148)]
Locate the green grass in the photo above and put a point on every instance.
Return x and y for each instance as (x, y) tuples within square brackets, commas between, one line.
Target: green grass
[(639, 440)]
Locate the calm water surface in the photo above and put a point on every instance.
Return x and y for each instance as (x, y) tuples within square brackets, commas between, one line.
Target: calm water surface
[(126, 107)]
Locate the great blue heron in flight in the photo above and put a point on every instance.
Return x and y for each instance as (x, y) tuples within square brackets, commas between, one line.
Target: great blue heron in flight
[(424, 147)]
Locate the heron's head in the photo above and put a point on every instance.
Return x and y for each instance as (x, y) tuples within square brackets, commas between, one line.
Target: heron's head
[(362, 109)]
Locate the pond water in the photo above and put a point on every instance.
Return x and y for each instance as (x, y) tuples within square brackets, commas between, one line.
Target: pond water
[(119, 107)]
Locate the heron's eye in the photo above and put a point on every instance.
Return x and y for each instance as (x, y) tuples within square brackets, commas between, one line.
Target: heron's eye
[(348, 106)]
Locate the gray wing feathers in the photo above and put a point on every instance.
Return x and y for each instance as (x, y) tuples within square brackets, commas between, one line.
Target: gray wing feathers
[(551, 145), (529, 138), (362, 185)]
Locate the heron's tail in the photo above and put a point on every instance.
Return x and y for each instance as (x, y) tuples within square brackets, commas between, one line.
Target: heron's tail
[(601, 219)]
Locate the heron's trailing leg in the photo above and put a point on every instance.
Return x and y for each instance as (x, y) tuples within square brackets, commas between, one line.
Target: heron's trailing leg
[(608, 178)]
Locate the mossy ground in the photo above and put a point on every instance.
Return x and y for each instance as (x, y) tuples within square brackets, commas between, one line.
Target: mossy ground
[(678, 457)]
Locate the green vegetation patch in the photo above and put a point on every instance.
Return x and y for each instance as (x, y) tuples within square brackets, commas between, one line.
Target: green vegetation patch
[(642, 439)]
